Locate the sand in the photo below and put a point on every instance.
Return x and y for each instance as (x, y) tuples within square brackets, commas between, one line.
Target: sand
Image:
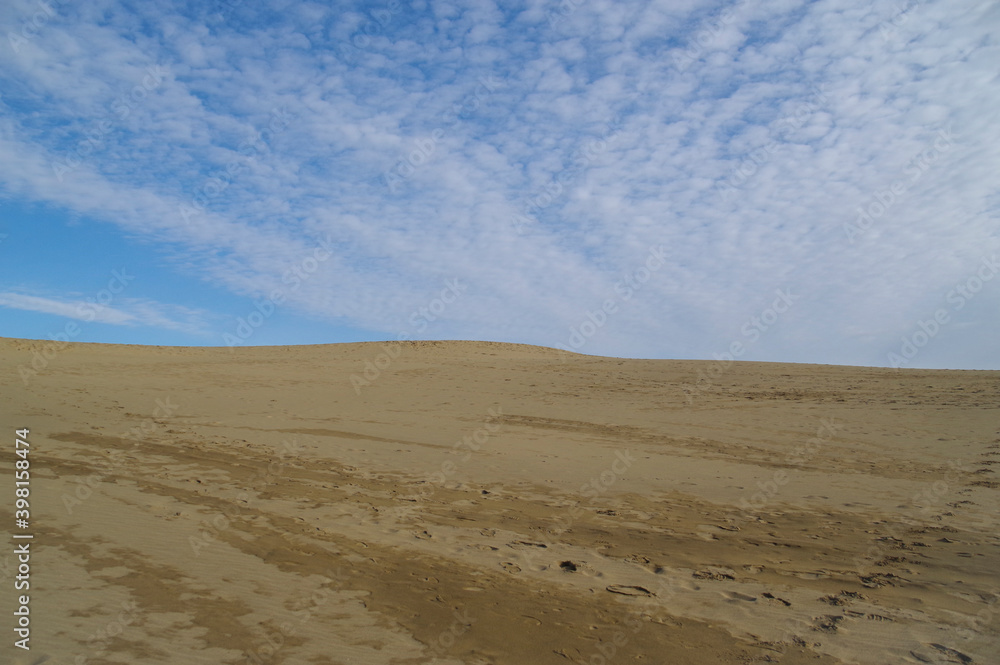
[(473, 502)]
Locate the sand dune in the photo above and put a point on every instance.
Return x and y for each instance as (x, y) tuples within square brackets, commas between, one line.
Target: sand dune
[(472, 502)]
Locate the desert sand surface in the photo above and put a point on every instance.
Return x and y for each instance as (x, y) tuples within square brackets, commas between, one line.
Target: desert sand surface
[(475, 502)]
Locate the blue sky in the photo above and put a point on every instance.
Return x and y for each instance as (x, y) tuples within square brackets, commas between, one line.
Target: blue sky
[(786, 181)]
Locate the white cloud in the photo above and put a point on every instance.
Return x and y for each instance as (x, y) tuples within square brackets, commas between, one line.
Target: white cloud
[(79, 310), (357, 107), (120, 311)]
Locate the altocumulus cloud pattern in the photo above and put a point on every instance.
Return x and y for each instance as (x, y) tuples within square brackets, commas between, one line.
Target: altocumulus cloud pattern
[(785, 181)]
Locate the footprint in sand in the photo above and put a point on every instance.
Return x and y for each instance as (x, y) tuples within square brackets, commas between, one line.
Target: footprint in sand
[(771, 596), (952, 655), (870, 617), (629, 590), (638, 558), (510, 567), (843, 598), (827, 623), (717, 574)]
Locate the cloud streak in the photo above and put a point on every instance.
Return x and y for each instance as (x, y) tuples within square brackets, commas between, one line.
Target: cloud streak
[(128, 311)]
